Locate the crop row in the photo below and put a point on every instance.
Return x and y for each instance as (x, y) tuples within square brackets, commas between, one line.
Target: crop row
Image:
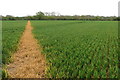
[(11, 33), (79, 49)]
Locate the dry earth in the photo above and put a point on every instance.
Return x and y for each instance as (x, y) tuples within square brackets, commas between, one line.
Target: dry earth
[(28, 62)]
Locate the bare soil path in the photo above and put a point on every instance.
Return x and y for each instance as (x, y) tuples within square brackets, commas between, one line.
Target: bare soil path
[(28, 62)]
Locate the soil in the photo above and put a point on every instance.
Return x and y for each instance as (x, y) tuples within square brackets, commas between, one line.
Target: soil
[(28, 62)]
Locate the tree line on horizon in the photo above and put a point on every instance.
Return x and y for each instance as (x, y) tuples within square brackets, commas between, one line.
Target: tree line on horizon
[(57, 16)]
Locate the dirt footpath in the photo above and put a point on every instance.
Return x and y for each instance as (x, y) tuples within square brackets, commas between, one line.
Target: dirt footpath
[(28, 62)]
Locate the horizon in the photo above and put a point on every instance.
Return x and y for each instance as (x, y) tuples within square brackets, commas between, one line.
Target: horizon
[(61, 15)]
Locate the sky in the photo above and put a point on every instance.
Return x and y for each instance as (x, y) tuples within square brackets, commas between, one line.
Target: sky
[(64, 7)]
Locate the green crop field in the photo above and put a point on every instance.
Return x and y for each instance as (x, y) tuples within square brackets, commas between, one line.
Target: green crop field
[(11, 32), (79, 48)]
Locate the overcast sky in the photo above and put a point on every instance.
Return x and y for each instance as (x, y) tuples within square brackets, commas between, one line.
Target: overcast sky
[(65, 7)]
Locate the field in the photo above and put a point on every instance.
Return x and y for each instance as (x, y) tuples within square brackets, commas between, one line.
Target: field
[(79, 48), (11, 33), (0, 49), (0, 41), (72, 49)]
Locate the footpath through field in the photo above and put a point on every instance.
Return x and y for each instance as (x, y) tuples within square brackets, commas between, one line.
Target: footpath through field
[(28, 62)]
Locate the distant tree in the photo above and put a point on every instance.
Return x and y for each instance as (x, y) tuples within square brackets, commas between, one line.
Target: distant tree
[(29, 17), (117, 19), (53, 13), (9, 17), (57, 16), (97, 18), (46, 13), (40, 15)]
